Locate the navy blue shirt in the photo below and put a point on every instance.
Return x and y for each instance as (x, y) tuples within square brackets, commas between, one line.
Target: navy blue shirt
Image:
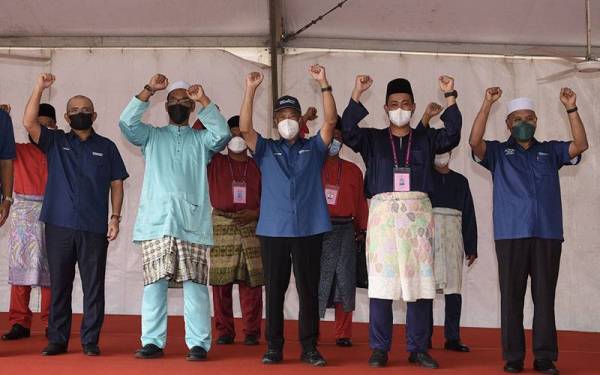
[(376, 150), (451, 190), (8, 150), (526, 188), (292, 202), (79, 177)]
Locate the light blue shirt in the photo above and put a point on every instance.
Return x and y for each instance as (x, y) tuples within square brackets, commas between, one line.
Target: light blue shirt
[(174, 200)]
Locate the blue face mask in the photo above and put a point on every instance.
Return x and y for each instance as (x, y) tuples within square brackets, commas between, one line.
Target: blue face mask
[(523, 131), (335, 147)]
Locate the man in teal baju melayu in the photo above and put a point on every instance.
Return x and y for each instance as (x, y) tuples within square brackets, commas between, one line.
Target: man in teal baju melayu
[(173, 224)]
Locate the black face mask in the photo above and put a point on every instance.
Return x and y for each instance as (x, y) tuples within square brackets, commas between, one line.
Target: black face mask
[(81, 121), (178, 113)]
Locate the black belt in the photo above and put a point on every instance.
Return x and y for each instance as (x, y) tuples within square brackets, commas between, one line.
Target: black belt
[(341, 220)]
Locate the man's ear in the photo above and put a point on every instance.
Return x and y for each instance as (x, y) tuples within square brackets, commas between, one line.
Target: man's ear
[(67, 119), (386, 108), (94, 116)]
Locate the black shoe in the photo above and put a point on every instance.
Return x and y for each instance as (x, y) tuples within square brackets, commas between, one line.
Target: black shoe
[(17, 332), (513, 366), (456, 346), (225, 340), (545, 366), (345, 343), (91, 350), (197, 353), (379, 358), (251, 340), (149, 351), (423, 359), (272, 357), (313, 358), (54, 349)]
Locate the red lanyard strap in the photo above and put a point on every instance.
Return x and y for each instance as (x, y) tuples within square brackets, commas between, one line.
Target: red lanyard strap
[(339, 175), (407, 159), (231, 169)]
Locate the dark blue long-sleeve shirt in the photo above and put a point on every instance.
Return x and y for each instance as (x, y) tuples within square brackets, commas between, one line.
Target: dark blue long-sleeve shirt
[(451, 190), (375, 148)]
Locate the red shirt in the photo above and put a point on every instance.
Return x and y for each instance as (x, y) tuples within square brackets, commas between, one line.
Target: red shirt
[(220, 183), (351, 201), (31, 170)]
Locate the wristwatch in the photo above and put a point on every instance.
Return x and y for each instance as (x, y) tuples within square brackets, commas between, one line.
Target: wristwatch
[(149, 89), (117, 216), (451, 93)]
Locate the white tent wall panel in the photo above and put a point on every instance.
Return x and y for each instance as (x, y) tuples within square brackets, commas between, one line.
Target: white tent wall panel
[(577, 293), (111, 77)]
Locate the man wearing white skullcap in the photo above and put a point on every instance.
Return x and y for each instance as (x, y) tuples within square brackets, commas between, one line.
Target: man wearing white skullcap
[(174, 226), (527, 220)]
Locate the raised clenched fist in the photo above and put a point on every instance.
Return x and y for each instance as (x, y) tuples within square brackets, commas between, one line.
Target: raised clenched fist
[(158, 82), (432, 110), (196, 93), (492, 94), (446, 83), (362, 83), (45, 80), (318, 73), (254, 79), (568, 98)]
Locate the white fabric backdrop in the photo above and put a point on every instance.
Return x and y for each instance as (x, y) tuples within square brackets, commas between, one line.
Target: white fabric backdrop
[(110, 77)]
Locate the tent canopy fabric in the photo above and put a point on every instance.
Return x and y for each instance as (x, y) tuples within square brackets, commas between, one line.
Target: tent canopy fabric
[(357, 23)]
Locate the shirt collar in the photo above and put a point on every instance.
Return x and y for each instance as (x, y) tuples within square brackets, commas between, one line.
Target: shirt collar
[(511, 141), (74, 136)]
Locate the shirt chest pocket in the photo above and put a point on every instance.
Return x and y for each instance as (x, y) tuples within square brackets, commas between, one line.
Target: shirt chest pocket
[(417, 157), (544, 165), (99, 163), (303, 158)]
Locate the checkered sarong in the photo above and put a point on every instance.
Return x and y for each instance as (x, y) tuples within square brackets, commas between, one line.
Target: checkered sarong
[(175, 260)]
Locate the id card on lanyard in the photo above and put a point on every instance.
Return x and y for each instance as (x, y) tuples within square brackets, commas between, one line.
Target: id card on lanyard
[(401, 174), (239, 189), (332, 191)]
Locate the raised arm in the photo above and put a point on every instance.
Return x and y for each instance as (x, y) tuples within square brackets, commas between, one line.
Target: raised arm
[(476, 141), (253, 80), (130, 120), (580, 143), (354, 136), (330, 118), (217, 133), (432, 110), (30, 118), (448, 137)]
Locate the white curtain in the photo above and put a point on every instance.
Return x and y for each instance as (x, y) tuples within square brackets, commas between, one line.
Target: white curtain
[(111, 77)]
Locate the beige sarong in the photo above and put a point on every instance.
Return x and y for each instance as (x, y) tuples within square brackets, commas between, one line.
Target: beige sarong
[(448, 250)]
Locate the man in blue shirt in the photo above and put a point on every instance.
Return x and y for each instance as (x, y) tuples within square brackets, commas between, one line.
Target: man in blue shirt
[(398, 179), (7, 154), (293, 212), (83, 169), (527, 220)]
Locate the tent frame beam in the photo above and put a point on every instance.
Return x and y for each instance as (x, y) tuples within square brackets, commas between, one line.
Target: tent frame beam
[(134, 41)]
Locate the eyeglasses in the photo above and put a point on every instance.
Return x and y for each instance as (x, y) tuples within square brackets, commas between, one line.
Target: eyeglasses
[(184, 102)]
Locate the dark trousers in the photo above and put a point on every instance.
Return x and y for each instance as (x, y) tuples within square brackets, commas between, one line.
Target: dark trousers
[(250, 303), (279, 255), (67, 247), (453, 309), (418, 324), (517, 260)]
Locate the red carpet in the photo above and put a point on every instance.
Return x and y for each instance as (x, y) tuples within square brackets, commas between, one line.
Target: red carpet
[(580, 354)]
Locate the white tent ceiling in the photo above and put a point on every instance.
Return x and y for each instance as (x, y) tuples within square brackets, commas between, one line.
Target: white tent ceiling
[(437, 25)]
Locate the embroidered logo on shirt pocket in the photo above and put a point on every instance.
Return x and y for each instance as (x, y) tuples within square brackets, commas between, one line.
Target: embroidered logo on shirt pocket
[(97, 154), (303, 151)]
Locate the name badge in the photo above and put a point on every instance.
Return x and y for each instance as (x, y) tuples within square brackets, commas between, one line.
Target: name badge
[(239, 192), (401, 179), (331, 194)]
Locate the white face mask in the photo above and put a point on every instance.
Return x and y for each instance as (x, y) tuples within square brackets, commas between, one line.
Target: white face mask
[(288, 128), (237, 145), (400, 117), (442, 160), (335, 147)]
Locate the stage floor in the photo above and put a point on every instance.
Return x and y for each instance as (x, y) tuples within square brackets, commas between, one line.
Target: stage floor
[(580, 353)]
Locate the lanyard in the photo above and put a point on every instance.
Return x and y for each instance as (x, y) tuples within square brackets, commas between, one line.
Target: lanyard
[(339, 176), (407, 160), (231, 169)]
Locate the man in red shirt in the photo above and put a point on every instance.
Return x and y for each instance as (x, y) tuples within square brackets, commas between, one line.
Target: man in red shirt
[(234, 187), (28, 261), (343, 184)]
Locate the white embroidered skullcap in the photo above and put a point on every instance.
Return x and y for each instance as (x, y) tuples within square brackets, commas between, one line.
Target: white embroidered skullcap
[(519, 104), (178, 85)]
